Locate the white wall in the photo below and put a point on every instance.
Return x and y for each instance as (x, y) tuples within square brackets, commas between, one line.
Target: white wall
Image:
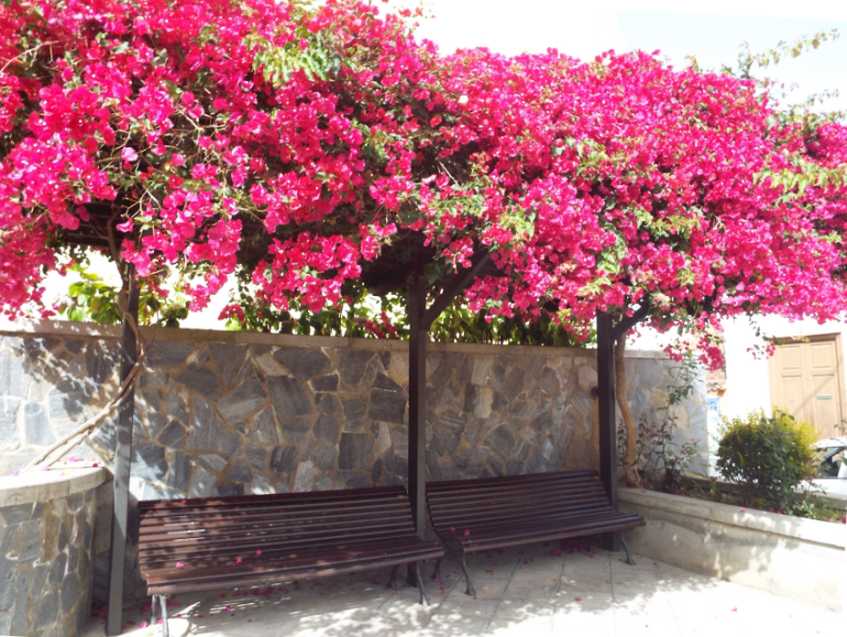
[(747, 380)]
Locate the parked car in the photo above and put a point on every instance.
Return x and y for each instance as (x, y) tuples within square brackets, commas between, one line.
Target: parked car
[(832, 470), (833, 458)]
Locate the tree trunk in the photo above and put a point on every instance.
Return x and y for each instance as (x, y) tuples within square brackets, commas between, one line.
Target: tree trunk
[(632, 478)]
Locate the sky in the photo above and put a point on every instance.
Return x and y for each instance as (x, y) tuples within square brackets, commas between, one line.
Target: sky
[(712, 31)]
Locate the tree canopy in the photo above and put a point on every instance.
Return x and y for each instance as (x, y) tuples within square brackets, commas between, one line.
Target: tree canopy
[(308, 149)]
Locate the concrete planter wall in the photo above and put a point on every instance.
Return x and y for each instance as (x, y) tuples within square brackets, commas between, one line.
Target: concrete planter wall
[(797, 557), (48, 522)]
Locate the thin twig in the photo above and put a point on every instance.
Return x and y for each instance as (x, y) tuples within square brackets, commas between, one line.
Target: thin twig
[(79, 435), (27, 52)]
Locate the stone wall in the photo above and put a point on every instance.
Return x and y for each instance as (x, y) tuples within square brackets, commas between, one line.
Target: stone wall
[(229, 413), (47, 529)]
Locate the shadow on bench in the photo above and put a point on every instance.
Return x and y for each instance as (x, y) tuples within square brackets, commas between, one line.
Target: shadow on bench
[(204, 544), (489, 513)]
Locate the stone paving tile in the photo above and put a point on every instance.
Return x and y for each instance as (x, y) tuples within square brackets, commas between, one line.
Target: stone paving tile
[(533, 592)]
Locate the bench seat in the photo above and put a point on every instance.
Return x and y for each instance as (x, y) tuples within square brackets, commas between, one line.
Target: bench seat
[(204, 544), (489, 513)]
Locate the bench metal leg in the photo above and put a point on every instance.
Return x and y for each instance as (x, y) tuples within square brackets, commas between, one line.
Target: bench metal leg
[(437, 570), (424, 600), (392, 581), (470, 590), (629, 559), (163, 600), (153, 601)]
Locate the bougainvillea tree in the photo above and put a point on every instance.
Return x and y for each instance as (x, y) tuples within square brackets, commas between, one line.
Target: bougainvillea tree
[(308, 149)]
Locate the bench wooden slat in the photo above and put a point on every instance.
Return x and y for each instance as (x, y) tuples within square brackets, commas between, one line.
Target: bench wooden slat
[(543, 493), (340, 495), (533, 478), (546, 535), (283, 560), (381, 508), (260, 541), (315, 520), (549, 499), (357, 503), (493, 518), (248, 580)]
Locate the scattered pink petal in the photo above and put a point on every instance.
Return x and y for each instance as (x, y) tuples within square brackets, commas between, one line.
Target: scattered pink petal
[(180, 564), (258, 552)]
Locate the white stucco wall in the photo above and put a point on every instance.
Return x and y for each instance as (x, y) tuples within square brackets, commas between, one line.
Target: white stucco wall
[(747, 382), (747, 379)]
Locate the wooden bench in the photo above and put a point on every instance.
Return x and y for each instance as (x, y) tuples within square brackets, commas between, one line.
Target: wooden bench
[(475, 515), (204, 544)]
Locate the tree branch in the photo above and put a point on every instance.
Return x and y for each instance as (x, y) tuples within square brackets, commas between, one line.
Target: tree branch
[(453, 287), (628, 322), (79, 435)]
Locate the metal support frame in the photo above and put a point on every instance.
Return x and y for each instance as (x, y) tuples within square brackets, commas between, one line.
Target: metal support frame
[(625, 547), (437, 570), (417, 416), (122, 466), (424, 599), (417, 400), (392, 581), (162, 601), (606, 403), (469, 590)]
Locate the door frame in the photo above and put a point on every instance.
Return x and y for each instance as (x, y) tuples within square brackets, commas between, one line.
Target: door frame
[(812, 338)]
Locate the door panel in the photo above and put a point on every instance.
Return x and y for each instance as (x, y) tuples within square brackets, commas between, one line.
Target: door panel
[(805, 381)]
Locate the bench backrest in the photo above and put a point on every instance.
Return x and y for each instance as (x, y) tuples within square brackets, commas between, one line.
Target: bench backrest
[(236, 529), (455, 505)]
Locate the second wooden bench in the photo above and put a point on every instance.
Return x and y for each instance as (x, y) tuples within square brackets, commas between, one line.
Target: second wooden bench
[(475, 515)]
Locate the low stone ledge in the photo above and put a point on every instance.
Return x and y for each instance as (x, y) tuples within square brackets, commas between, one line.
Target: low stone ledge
[(788, 526), (45, 485), (47, 537), (796, 557)]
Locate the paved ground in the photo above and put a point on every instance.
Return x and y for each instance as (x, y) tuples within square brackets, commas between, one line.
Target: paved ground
[(533, 592)]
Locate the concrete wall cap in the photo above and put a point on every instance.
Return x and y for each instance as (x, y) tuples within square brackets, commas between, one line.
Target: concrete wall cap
[(152, 334), (50, 484), (815, 531)]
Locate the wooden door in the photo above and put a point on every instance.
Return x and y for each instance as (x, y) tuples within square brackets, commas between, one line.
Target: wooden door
[(805, 380)]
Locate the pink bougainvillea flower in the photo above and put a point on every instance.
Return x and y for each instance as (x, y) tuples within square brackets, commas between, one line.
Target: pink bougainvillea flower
[(128, 154), (606, 185)]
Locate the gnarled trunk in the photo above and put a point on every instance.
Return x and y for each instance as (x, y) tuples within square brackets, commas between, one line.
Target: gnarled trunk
[(632, 478)]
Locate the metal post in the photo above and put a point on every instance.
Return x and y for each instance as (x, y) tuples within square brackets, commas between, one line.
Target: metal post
[(417, 402), (122, 467), (606, 400)]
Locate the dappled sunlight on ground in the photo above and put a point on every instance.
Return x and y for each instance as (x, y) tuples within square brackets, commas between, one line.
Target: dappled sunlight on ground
[(531, 591)]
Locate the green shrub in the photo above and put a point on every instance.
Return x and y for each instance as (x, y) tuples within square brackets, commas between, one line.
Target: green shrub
[(767, 457)]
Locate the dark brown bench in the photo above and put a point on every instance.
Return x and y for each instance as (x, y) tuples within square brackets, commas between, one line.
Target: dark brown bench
[(475, 515), (204, 544)]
